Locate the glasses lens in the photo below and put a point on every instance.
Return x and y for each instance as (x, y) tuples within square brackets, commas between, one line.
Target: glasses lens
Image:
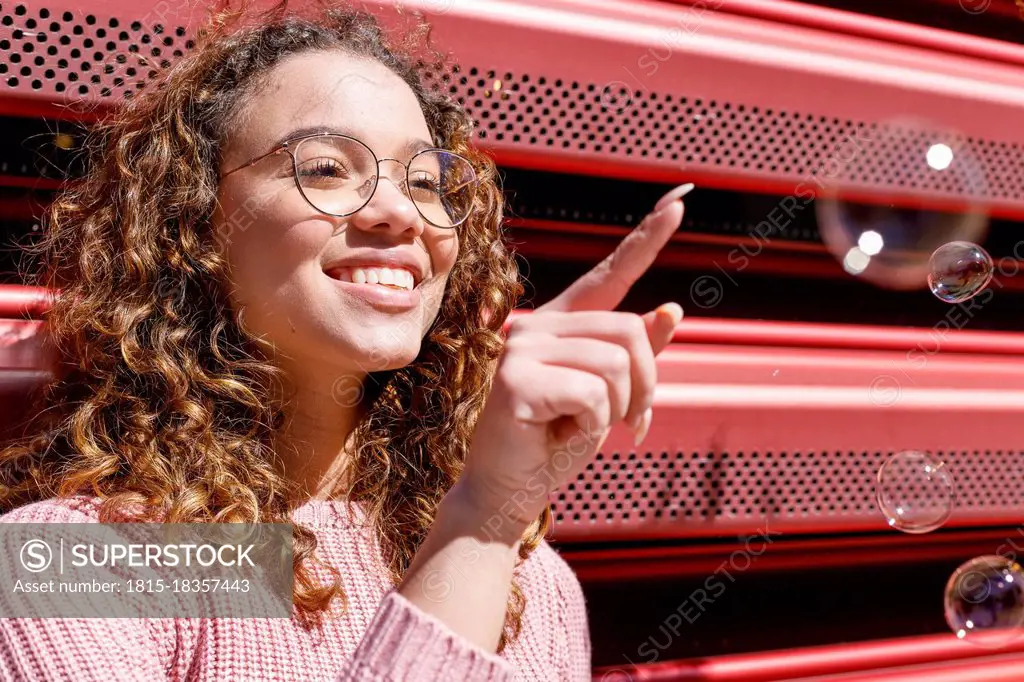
[(442, 185), (336, 174)]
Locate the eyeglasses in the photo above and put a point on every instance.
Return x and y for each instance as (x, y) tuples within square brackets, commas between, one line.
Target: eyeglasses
[(338, 175)]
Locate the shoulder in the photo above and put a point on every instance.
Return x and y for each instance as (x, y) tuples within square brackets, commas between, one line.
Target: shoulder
[(548, 580), (73, 509), (546, 571), (556, 633)]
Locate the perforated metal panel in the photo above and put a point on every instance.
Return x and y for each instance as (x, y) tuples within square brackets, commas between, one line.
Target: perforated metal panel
[(55, 51), (673, 493), (541, 109), (684, 132)]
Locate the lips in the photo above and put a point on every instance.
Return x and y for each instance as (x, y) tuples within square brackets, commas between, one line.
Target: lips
[(387, 298), (391, 277)]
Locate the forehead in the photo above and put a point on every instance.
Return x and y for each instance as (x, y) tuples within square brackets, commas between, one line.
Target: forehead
[(333, 90)]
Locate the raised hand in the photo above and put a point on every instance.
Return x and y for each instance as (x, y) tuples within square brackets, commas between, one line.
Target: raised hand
[(568, 372)]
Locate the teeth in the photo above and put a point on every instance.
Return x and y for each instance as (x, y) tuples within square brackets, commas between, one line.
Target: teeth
[(393, 277)]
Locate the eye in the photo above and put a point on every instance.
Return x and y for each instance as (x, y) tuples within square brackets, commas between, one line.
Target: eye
[(324, 167), (426, 183)]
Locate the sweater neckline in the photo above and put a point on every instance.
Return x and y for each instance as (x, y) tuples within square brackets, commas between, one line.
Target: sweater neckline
[(330, 514), (335, 513)]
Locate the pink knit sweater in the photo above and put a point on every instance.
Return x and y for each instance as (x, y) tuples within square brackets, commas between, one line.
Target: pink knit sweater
[(381, 636)]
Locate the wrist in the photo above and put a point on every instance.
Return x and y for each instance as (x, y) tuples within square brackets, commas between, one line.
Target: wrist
[(494, 519)]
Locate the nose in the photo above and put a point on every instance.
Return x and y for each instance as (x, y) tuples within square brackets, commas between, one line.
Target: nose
[(390, 209)]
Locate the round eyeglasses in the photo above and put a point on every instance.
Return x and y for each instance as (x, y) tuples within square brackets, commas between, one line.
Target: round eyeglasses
[(338, 175)]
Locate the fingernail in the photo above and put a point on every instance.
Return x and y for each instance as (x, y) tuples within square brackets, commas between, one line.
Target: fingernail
[(645, 426), (677, 193), (674, 310)]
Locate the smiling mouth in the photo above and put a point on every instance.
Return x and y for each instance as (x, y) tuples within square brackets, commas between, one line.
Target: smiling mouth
[(398, 279)]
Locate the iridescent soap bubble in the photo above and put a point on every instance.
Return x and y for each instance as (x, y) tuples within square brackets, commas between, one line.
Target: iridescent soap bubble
[(915, 492), (959, 271), (984, 601), (891, 193)]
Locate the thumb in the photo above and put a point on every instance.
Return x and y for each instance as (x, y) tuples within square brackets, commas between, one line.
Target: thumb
[(661, 324)]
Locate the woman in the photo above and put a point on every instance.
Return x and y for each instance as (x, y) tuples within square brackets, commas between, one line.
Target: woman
[(258, 328)]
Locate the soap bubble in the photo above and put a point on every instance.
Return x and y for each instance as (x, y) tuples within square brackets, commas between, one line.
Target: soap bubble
[(915, 492), (959, 271), (984, 601), (894, 192)]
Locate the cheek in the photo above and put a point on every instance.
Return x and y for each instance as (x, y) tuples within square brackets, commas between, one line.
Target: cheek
[(444, 251), (443, 255), (266, 249)]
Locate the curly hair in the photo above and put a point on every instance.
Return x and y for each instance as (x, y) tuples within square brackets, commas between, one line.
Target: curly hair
[(164, 406)]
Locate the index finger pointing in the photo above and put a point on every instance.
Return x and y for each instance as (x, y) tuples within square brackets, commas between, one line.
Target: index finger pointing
[(604, 287)]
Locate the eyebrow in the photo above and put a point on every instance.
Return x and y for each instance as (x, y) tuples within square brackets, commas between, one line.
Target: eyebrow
[(411, 146)]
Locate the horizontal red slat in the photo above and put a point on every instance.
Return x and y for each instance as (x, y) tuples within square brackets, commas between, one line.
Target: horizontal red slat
[(887, 30), (994, 669), (22, 350), (803, 335), (18, 301), (783, 553), (949, 656)]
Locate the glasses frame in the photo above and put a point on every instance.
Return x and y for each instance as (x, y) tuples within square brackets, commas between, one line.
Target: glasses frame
[(288, 145)]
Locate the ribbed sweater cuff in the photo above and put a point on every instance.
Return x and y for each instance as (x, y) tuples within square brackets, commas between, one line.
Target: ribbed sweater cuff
[(403, 642)]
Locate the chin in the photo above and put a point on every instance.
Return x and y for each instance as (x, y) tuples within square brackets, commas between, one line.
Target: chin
[(381, 355)]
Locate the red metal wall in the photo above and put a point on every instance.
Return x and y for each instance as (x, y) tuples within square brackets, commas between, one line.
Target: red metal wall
[(755, 420)]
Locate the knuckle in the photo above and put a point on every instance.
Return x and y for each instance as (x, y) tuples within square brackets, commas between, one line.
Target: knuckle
[(595, 391), (620, 360), (635, 325), (516, 345)]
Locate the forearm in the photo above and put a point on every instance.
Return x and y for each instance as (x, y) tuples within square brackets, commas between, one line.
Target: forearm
[(462, 573)]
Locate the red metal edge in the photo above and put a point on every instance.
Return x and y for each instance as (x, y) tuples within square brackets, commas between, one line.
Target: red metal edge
[(1008, 668), (854, 336), (787, 553), (952, 656), (879, 28), (20, 301), (24, 352), (864, 337), (36, 183)]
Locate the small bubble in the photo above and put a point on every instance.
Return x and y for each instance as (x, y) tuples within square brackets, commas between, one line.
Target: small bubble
[(915, 492), (959, 271), (984, 601)]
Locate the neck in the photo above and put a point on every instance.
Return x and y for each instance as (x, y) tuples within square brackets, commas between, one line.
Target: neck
[(315, 445)]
